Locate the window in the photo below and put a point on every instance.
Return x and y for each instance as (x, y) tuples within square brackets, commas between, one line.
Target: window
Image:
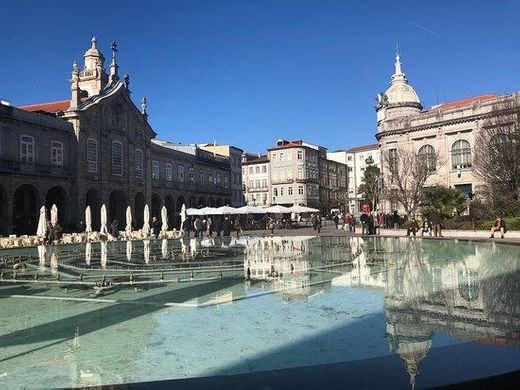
[(349, 158), (192, 175), (251, 170), (201, 176), (300, 173), (257, 184), (210, 178), (300, 190), (349, 169), (392, 160), (257, 169), (264, 184), (169, 172), (180, 173), (117, 158), (251, 185), (155, 170), (427, 157), (299, 155), (281, 191), (56, 153), (218, 182), (26, 149), (264, 168), (289, 191), (139, 163), (460, 154), (275, 192), (281, 156), (274, 156)]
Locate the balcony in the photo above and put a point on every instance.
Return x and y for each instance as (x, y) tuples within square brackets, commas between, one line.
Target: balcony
[(35, 169)]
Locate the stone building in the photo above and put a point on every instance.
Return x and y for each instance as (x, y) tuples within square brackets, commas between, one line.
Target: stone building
[(235, 159), (356, 159), (96, 148), (447, 129), (302, 174), (256, 179)]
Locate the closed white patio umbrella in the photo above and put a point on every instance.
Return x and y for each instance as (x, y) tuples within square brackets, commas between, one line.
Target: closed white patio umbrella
[(104, 218), (42, 222), (88, 220), (54, 214), (146, 218), (128, 228), (164, 219), (183, 214)]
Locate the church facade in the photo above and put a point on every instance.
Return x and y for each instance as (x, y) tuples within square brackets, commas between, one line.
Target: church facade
[(447, 130), (98, 148)]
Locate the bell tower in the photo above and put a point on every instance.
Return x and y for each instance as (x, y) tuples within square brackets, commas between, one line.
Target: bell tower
[(93, 78)]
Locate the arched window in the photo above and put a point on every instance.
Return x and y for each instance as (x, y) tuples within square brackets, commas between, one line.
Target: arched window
[(192, 175), (117, 158), (498, 144), (155, 170), (139, 164), (468, 284), (180, 173), (201, 176), (26, 149), (56, 153), (427, 157), (92, 155), (169, 172), (460, 154)]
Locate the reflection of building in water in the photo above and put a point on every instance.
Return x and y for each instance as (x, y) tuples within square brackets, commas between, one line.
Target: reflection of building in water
[(466, 290), (297, 266)]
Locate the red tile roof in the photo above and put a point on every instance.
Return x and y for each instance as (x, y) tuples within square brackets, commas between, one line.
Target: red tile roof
[(364, 148), (463, 102), (52, 107)]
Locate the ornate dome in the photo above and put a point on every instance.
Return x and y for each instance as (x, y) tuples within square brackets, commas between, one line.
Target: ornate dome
[(399, 91)]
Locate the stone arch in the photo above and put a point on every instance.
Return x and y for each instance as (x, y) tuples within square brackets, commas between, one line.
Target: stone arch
[(139, 203), (227, 202), (156, 206), (4, 223), (211, 202), (92, 200), (25, 211), (192, 202), (169, 203), (57, 195), (201, 202), (181, 201), (219, 202), (117, 203)]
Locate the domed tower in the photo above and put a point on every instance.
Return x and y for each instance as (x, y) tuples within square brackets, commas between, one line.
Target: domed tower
[(399, 100), (93, 78)]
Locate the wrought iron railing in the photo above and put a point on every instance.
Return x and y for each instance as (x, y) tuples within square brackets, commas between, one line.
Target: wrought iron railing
[(37, 169)]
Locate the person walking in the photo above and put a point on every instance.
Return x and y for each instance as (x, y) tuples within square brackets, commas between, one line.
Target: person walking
[(336, 220), (198, 225), (156, 227), (426, 226), (435, 219)]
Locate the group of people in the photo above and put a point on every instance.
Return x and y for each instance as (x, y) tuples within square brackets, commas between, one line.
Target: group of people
[(431, 225), (209, 226), (53, 233)]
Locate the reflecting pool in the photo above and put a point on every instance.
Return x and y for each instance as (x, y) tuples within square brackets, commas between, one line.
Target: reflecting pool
[(419, 312)]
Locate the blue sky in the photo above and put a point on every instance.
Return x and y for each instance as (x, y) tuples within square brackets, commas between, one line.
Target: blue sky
[(250, 72)]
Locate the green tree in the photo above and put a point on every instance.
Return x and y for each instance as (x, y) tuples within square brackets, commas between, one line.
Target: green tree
[(443, 199), (369, 186)]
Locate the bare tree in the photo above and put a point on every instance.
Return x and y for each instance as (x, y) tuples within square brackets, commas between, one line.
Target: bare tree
[(405, 174), (497, 162)]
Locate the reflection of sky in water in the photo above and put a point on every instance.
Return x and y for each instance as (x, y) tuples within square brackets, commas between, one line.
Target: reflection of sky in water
[(335, 300)]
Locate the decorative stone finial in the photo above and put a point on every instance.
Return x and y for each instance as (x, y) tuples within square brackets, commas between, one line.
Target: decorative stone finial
[(93, 40), (75, 69), (113, 65), (144, 105), (398, 64)]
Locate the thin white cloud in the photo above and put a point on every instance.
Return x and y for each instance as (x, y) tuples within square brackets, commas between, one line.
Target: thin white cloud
[(425, 29)]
